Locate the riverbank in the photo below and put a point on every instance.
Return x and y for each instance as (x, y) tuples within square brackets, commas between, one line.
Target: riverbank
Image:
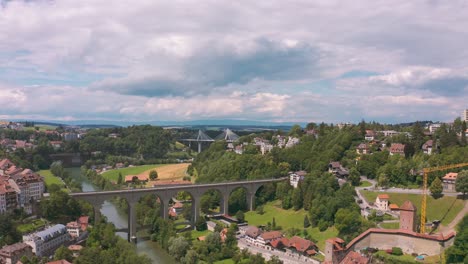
[(119, 219)]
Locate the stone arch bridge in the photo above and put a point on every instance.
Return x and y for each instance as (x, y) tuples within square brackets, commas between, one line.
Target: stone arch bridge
[(167, 192)]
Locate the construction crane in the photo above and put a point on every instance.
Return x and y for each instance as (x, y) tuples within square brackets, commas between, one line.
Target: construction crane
[(426, 171)]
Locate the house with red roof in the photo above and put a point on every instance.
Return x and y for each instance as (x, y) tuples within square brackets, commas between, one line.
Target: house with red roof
[(397, 149), (449, 181), (382, 202)]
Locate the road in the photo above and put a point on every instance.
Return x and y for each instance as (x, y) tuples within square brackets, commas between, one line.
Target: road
[(267, 254)]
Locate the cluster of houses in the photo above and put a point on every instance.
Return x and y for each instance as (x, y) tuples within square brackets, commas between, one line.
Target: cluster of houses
[(19, 188), (265, 145), (275, 240), (43, 243)]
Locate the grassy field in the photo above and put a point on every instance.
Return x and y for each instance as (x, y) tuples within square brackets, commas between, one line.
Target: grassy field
[(444, 209), (288, 219), (395, 259), (321, 237), (50, 179), (165, 171), (284, 218), (392, 225), (113, 175), (195, 234), (365, 184), (30, 227)]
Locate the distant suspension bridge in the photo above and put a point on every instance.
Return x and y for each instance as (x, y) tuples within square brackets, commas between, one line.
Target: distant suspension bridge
[(201, 137)]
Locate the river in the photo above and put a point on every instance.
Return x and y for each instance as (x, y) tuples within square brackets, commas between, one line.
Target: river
[(150, 248)]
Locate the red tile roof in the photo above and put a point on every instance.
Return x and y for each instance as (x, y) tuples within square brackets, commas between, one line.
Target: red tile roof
[(354, 258), (397, 148), (383, 196), (393, 207), (450, 176), (271, 235), (300, 244), (408, 206)]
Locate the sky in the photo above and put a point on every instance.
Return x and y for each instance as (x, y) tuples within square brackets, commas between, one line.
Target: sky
[(276, 61)]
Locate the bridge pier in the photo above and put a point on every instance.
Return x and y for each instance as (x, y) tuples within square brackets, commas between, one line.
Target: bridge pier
[(195, 210), (164, 208), (250, 201), (97, 214), (224, 205), (132, 222), (199, 146)]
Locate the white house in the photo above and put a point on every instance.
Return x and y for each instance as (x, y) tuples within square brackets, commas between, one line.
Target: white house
[(382, 202), (296, 177)]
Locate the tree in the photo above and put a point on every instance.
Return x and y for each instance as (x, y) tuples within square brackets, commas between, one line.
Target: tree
[(120, 179), (63, 253), (240, 216), (354, 177), (348, 223), (383, 180), (178, 247), (306, 221), (457, 252), (297, 199), (463, 141), (461, 184), (8, 232), (436, 188), (200, 225), (296, 131), (153, 175)]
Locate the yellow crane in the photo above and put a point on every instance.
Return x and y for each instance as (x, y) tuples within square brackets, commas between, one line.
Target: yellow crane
[(426, 171)]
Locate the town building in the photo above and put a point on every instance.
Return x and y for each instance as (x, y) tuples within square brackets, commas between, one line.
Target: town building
[(382, 202), (363, 148), (45, 242), (427, 147), (292, 141), (267, 237), (78, 227), (464, 116), (397, 149), (337, 169), (449, 182), (11, 254), (389, 133), (433, 127), (296, 177), (251, 234)]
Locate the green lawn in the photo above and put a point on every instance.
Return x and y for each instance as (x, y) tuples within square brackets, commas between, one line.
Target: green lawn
[(365, 184), (50, 179), (32, 226), (444, 209), (113, 175), (289, 219), (284, 218), (197, 234), (395, 259), (321, 237), (392, 225)]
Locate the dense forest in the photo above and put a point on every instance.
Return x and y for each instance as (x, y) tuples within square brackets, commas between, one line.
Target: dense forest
[(327, 203)]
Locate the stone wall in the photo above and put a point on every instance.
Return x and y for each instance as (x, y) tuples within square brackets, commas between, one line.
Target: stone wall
[(408, 243)]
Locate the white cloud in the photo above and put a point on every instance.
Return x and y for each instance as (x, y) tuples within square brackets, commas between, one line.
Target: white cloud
[(203, 59)]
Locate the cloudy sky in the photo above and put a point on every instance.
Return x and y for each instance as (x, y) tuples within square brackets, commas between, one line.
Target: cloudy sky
[(301, 61)]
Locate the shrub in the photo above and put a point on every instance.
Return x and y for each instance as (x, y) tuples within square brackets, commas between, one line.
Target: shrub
[(397, 251)]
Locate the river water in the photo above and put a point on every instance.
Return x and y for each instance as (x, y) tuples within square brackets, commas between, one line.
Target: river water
[(150, 248)]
